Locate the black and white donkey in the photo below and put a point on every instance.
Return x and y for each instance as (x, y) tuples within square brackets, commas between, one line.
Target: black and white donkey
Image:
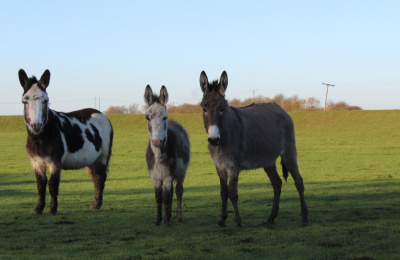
[(167, 154), (59, 140)]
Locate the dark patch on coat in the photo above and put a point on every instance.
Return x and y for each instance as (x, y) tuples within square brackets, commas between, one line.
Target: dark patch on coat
[(72, 134), (83, 115), (48, 142), (96, 139)]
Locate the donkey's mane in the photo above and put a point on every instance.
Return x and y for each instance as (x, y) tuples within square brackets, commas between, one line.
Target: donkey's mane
[(155, 99), (213, 86), (31, 81)]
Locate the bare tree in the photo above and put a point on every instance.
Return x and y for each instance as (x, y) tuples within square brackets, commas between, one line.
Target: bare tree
[(312, 103), (115, 110), (134, 109)]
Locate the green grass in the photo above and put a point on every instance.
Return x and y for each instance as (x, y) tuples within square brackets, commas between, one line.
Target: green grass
[(349, 161)]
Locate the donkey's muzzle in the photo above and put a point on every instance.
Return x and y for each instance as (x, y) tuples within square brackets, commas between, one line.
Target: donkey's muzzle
[(36, 127), (213, 141), (157, 142), (213, 135)]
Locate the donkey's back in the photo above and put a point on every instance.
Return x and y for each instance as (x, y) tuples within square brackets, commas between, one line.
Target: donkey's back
[(267, 132), (180, 147)]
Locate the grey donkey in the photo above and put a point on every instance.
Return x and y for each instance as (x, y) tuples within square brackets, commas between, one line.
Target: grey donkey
[(167, 154)]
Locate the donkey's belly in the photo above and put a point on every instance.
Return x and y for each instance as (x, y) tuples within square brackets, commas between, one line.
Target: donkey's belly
[(81, 158)]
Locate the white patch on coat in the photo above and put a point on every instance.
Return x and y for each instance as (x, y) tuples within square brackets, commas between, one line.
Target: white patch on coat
[(40, 164), (213, 131), (160, 174), (87, 155)]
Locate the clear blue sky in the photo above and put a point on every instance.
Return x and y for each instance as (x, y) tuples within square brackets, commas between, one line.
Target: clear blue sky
[(113, 49)]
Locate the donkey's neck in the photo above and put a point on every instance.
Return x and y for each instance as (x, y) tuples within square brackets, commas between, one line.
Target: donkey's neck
[(160, 153), (232, 129)]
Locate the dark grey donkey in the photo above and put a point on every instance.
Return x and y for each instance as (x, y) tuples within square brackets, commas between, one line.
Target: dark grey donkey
[(248, 138), (167, 154), (59, 141)]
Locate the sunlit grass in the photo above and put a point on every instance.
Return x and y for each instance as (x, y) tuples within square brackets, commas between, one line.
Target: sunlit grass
[(349, 161)]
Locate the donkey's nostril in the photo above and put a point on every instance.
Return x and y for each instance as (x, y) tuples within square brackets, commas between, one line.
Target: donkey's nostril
[(213, 140), (156, 142), (36, 126)]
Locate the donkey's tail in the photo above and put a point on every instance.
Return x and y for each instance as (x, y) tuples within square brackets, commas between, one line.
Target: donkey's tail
[(284, 170)]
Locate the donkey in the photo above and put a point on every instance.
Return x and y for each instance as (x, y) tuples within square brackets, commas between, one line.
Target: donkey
[(248, 138), (59, 140), (167, 154)]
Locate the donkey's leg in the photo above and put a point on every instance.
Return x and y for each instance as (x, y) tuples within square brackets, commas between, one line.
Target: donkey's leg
[(54, 184), (223, 178), (179, 194), (168, 190), (98, 172), (159, 199), (234, 197), (41, 181), (292, 167), (277, 185)]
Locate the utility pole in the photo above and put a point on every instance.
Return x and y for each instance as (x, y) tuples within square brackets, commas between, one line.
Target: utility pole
[(327, 86), (254, 94)]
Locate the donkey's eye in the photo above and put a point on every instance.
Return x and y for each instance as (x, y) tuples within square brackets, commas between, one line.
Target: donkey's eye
[(165, 118), (204, 110), (221, 111), (25, 102), (147, 118)]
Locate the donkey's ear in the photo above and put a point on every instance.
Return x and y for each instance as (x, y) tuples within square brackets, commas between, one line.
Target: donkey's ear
[(203, 82), (148, 96), (23, 78), (45, 79), (163, 99), (223, 83)]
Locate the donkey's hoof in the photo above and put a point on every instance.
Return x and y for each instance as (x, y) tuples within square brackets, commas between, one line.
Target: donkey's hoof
[(220, 224), (95, 206), (53, 212), (180, 220), (306, 221), (37, 211), (270, 221)]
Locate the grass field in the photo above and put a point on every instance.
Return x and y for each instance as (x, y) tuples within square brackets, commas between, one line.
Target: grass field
[(349, 161)]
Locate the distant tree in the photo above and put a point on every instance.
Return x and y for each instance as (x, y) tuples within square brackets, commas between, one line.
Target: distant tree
[(112, 110), (144, 108), (279, 99), (235, 102), (293, 103), (312, 104), (341, 106), (133, 109), (185, 109)]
